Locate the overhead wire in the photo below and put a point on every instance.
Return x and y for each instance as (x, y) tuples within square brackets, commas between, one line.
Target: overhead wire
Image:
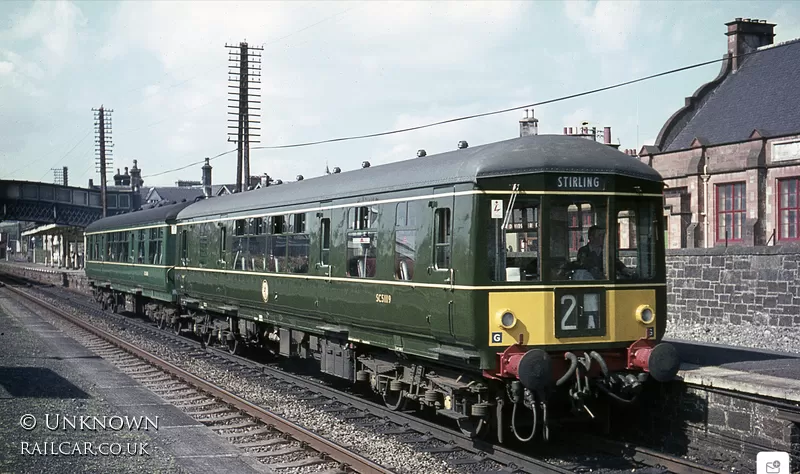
[(28, 164), (273, 41), (484, 114), (68, 153), (190, 164)]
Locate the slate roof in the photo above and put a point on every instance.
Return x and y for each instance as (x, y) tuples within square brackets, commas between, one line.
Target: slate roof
[(175, 194), (535, 153), (762, 94)]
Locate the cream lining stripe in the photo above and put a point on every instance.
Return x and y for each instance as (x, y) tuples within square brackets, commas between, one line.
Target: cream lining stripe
[(305, 276), (128, 229), (129, 264), (417, 198)]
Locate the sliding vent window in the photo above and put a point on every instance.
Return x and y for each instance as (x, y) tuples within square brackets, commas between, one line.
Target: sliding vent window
[(325, 244), (405, 247), (443, 238), (361, 241), (299, 244)]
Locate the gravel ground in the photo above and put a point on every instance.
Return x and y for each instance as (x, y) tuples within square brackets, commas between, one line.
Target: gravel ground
[(747, 334), (40, 376), (399, 457)]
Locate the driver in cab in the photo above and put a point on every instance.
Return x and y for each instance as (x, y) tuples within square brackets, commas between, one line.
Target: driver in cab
[(590, 256)]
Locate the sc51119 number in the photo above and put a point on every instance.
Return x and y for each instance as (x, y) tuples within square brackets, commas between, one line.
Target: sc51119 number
[(381, 298)]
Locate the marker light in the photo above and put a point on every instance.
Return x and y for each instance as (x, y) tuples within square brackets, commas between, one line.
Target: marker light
[(506, 319), (645, 314)]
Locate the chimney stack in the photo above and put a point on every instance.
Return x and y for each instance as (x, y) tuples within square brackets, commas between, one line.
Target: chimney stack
[(607, 135), (207, 179), (745, 36), (529, 125), (136, 177), (117, 179)]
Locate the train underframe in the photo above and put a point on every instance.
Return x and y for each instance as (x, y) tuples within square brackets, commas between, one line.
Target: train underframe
[(528, 387)]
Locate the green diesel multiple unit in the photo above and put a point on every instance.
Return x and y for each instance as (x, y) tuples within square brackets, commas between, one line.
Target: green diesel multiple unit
[(496, 275)]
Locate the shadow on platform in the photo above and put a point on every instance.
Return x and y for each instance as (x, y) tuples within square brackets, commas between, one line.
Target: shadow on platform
[(38, 382)]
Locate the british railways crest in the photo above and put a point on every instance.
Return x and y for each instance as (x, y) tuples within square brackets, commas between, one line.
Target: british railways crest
[(265, 290)]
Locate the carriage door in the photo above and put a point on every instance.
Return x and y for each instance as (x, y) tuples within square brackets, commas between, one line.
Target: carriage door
[(322, 255), (442, 270)]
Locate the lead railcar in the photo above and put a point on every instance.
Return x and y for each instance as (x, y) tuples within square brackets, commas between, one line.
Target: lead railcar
[(453, 280)]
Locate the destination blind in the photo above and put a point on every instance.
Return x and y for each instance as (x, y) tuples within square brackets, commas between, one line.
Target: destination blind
[(577, 183)]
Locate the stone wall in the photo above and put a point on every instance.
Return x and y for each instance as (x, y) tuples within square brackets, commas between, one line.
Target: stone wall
[(734, 285), (710, 426), (72, 280)]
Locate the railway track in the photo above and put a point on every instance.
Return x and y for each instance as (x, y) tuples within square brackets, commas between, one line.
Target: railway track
[(459, 451), (261, 433)]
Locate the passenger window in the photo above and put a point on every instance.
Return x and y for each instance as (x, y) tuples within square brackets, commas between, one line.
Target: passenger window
[(405, 248), (325, 243), (184, 248), (442, 238), (140, 246), (361, 254), (362, 242)]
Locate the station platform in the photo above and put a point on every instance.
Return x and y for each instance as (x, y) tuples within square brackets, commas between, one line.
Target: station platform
[(45, 374), (756, 372), (72, 279)]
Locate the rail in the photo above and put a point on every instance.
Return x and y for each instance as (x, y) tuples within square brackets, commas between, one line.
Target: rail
[(325, 447)]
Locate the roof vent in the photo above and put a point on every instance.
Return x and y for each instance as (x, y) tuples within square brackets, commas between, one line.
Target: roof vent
[(278, 181), (299, 177), (462, 144), (365, 164), (336, 170), (421, 153)]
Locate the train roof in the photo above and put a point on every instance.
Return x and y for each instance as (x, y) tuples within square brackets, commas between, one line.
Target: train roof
[(531, 154), (156, 215)]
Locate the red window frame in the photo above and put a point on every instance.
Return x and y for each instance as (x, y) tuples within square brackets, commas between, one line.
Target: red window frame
[(731, 214), (789, 206)]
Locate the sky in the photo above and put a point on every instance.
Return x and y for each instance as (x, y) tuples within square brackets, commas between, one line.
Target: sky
[(336, 69)]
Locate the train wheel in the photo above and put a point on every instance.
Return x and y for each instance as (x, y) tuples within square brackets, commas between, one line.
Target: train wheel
[(177, 327)]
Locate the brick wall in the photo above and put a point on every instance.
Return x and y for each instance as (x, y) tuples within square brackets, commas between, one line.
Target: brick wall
[(730, 285)]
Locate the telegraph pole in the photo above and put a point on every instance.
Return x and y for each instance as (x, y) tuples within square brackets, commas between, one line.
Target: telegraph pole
[(242, 73), (60, 176), (102, 120)]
